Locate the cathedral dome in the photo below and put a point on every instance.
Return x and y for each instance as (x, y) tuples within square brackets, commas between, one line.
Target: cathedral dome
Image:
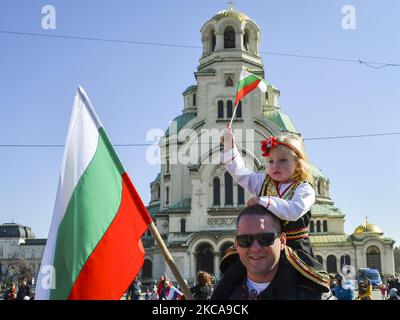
[(367, 227), (232, 13)]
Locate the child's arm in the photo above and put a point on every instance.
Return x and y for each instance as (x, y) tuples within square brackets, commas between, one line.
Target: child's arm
[(234, 164), (291, 210)]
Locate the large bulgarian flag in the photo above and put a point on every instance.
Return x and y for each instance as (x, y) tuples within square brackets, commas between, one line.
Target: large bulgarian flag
[(247, 83), (93, 250)]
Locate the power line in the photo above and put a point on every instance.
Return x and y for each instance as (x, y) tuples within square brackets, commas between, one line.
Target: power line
[(367, 63), (152, 144)]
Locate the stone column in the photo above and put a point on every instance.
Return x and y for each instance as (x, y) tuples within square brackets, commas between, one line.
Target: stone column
[(216, 265)]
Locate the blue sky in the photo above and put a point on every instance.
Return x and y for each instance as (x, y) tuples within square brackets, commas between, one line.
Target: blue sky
[(135, 88)]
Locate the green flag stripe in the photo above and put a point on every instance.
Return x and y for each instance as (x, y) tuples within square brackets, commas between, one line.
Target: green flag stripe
[(247, 81), (90, 211)]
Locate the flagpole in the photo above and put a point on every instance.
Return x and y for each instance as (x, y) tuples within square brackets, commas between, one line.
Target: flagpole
[(233, 116), (170, 261)]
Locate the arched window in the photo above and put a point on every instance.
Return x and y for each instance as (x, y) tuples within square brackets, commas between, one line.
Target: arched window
[(167, 166), (319, 184), (229, 82), (194, 99), (246, 40), (167, 196), (220, 109), (183, 225), (240, 195), (147, 269), (344, 261), (318, 226), (228, 189), (158, 191), (331, 266), (229, 38), (374, 258), (213, 40), (239, 110), (312, 226), (216, 192), (205, 258), (320, 259), (229, 109), (325, 226)]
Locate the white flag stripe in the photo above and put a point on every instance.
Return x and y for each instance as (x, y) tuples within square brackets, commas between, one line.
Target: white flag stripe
[(81, 145)]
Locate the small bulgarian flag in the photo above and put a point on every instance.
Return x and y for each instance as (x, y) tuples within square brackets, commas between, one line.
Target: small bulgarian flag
[(94, 248), (247, 83)]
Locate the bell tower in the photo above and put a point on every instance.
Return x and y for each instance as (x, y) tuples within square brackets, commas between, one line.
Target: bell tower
[(232, 36)]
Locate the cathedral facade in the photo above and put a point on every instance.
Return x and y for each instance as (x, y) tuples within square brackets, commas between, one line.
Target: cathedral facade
[(195, 203)]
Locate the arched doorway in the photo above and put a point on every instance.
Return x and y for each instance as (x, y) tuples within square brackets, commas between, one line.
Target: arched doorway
[(374, 258), (344, 261), (147, 269), (331, 265), (320, 259), (205, 258)]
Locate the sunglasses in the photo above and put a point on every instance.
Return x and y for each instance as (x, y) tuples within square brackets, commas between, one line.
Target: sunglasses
[(264, 239)]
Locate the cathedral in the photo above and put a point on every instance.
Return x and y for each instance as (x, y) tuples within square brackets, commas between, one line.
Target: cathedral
[(195, 204)]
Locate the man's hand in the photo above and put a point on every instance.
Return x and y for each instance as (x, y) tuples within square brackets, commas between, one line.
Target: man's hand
[(253, 201), (228, 139)]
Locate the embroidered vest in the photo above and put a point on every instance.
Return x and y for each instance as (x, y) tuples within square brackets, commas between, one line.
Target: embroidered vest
[(294, 229)]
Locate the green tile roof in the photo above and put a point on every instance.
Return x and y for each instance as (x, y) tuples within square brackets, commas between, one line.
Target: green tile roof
[(181, 121), (326, 209), (190, 88), (182, 205), (153, 209), (331, 238), (317, 172), (281, 120)]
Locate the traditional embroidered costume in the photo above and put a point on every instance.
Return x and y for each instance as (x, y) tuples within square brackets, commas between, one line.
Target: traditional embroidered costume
[(291, 202)]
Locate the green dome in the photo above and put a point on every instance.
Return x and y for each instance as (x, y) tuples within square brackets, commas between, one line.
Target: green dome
[(181, 121), (281, 120), (317, 174)]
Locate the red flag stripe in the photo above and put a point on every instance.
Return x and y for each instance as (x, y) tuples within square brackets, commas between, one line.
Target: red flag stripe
[(119, 255), (246, 90)]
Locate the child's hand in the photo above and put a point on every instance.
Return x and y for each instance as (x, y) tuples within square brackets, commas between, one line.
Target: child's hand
[(228, 139), (253, 201)]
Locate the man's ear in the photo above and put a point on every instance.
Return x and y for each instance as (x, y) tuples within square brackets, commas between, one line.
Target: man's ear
[(283, 240)]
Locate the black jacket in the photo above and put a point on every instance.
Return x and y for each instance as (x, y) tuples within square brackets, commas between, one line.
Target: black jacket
[(286, 285), (23, 292)]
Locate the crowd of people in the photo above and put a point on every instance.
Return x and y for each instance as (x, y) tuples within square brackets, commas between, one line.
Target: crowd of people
[(345, 289), (20, 291), (164, 289)]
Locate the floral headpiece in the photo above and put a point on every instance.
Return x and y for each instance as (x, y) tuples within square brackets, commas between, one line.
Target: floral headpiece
[(271, 142)]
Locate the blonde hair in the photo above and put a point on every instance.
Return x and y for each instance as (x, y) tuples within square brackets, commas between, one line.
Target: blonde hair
[(303, 170)]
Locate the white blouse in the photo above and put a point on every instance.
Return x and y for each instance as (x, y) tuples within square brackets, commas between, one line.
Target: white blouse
[(290, 210)]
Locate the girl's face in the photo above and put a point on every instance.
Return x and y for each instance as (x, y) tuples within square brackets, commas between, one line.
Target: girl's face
[(280, 165)]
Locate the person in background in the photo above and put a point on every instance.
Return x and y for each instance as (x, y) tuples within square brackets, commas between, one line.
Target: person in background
[(203, 288), (24, 292), (344, 289), (11, 294), (383, 290), (393, 294), (364, 289)]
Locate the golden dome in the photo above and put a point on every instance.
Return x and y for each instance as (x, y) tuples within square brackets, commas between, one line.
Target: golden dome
[(230, 13), (367, 227)]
